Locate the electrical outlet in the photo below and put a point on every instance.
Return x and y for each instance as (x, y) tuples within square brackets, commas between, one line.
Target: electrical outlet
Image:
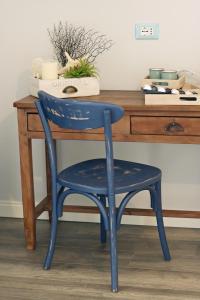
[(147, 31)]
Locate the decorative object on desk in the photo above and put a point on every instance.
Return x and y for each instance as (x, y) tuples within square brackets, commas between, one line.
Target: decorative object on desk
[(155, 73), (75, 48), (71, 63), (151, 89), (166, 83), (79, 79), (147, 87), (161, 89), (46, 70), (50, 70), (175, 92), (82, 69), (163, 96), (78, 42), (169, 74), (186, 94), (191, 79), (65, 88), (164, 78), (36, 67)]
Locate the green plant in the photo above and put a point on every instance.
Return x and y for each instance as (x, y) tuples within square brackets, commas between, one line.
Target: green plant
[(83, 69)]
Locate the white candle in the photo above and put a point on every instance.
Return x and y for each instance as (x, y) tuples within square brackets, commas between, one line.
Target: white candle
[(50, 70), (37, 67)]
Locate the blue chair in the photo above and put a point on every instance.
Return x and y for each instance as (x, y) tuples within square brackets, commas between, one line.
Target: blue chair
[(98, 179)]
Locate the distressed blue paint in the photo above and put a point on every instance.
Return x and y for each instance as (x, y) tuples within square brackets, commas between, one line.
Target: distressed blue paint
[(92, 197), (111, 199), (123, 204), (155, 193), (74, 114), (97, 179), (157, 207), (103, 233)]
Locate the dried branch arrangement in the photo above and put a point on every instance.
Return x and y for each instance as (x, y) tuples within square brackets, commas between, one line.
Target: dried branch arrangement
[(77, 42)]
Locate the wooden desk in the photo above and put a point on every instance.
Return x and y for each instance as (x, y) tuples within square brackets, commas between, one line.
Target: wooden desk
[(157, 124)]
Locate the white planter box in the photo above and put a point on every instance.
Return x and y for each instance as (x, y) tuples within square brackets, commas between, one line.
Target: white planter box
[(66, 88)]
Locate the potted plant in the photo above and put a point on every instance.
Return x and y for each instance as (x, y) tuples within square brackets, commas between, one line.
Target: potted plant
[(75, 49)]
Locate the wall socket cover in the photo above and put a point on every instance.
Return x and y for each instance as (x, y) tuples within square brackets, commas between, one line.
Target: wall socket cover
[(147, 31)]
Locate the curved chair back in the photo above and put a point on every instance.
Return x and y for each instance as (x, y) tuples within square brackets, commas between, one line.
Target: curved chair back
[(76, 114)]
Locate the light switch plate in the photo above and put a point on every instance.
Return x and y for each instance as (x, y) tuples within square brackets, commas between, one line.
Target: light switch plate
[(147, 31)]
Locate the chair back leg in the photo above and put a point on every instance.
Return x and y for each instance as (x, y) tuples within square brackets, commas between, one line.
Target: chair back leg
[(157, 207), (103, 233)]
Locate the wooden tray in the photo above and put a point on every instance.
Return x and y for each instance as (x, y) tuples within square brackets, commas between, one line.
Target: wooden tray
[(171, 84), (170, 99), (85, 86)]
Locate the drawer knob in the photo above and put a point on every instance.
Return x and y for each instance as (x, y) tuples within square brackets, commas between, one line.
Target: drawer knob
[(174, 127)]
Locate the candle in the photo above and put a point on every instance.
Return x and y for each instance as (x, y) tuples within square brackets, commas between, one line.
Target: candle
[(37, 67), (50, 70)]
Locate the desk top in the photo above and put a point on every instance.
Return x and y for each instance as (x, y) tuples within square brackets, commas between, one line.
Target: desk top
[(129, 100)]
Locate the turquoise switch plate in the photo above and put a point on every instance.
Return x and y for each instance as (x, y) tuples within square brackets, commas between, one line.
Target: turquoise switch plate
[(147, 31)]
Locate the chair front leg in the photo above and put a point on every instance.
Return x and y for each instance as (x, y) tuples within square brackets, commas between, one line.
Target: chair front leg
[(103, 233), (113, 243), (157, 207)]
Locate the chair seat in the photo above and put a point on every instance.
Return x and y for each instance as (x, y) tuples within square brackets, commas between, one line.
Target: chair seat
[(90, 176)]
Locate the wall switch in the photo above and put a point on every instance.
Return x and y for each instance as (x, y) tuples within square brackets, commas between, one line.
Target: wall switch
[(147, 31)]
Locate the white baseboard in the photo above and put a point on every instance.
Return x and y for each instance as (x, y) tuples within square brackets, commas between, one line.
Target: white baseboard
[(14, 209)]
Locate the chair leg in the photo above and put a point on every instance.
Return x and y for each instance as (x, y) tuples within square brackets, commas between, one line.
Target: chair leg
[(52, 241), (113, 244), (103, 233), (157, 205)]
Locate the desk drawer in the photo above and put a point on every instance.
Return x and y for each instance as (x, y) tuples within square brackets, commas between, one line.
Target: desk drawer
[(145, 125), (121, 127)]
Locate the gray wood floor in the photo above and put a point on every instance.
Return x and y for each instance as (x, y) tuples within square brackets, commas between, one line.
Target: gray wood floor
[(81, 265)]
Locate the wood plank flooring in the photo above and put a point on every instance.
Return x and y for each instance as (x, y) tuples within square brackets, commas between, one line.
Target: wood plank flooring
[(81, 269)]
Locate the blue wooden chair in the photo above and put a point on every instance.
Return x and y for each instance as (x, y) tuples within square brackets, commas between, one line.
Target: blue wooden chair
[(98, 179)]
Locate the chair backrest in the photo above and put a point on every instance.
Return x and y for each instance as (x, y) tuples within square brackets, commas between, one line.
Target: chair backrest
[(78, 114)]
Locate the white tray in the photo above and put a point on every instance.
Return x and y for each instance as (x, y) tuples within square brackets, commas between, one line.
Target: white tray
[(166, 83), (169, 99), (86, 86)]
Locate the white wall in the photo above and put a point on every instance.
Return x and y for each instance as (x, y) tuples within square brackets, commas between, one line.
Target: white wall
[(23, 35)]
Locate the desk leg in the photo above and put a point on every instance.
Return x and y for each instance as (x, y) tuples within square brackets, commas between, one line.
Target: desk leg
[(25, 149)]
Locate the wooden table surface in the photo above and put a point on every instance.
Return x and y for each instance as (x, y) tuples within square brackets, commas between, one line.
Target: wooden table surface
[(127, 99)]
